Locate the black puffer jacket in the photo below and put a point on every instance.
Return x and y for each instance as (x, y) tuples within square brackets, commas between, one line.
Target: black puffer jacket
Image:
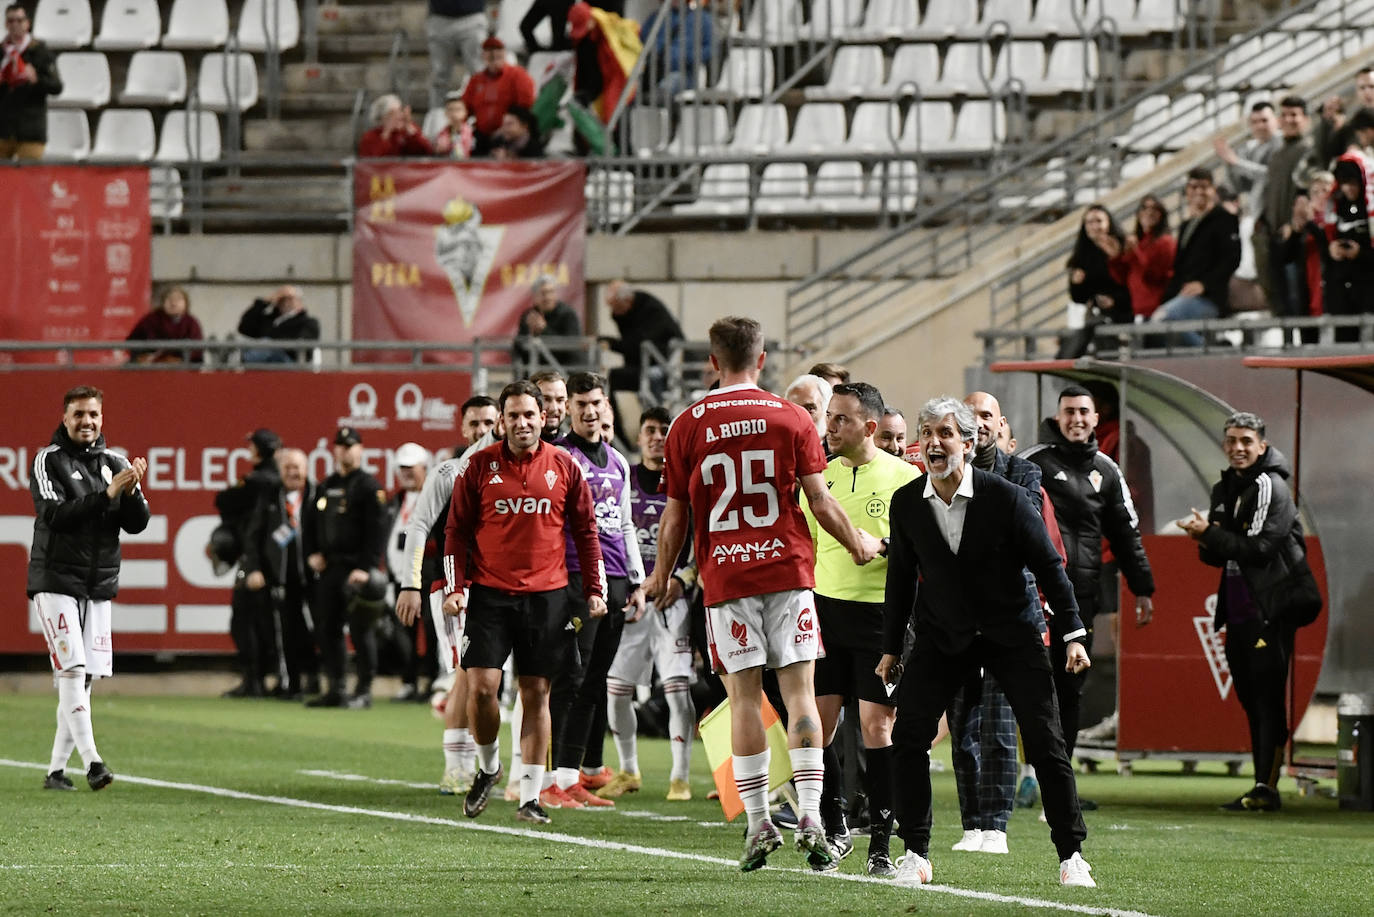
[(1254, 524), (76, 535), (1090, 501)]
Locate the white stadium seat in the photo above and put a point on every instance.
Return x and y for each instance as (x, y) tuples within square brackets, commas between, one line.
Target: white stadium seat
[(966, 64), (1150, 118), (746, 74), (885, 19), (913, 63), (261, 20), (981, 125), (946, 18), (612, 192), (1069, 60), (1063, 17), (1016, 14), (840, 187), (1020, 60), (85, 80), (774, 22), (839, 19), (929, 127), (724, 191), (155, 78), (784, 188), (197, 24), (69, 136), (877, 128), (701, 129), (63, 24), (1125, 20), (902, 185), (185, 138), (125, 134), (760, 128), (128, 25), (856, 70), (224, 84), (820, 128), (166, 198)]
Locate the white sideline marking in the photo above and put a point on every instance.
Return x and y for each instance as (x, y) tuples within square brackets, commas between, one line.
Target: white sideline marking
[(595, 843), (361, 778)]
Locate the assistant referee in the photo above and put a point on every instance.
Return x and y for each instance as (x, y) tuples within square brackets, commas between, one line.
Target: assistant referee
[(849, 604)]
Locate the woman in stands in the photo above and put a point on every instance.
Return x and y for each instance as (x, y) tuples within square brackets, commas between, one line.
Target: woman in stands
[(1090, 278), (170, 321), (1147, 261)]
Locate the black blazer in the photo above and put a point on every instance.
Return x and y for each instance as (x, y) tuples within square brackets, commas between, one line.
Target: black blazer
[(982, 589), (1210, 257)]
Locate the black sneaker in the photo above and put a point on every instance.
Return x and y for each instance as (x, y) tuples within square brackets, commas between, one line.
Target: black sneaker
[(531, 812), (784, 817), (880, 865), (99, 776), (1262, 799), (57, 780), (839, 838), (480, 792), (246, 688), (328, 699)]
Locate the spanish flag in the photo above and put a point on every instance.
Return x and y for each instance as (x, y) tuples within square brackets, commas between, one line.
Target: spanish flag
[(715, 735)]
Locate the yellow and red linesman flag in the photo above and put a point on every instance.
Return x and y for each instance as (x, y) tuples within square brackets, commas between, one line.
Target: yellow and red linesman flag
[(715, 735)]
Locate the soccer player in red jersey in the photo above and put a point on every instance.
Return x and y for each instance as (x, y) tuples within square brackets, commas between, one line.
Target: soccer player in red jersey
[(505, 538), (734, 461)]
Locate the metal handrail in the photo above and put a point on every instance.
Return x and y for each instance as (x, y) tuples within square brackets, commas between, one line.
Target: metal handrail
[(272, 57)]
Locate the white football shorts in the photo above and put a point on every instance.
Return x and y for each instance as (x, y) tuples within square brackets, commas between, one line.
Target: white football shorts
[(448, 630), (656, 641), (775, 630), (77, 632)]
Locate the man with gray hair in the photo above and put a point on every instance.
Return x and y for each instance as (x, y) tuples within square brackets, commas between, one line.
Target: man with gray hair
[(968, 536), (550, 317), (812, 394), (394, 131)]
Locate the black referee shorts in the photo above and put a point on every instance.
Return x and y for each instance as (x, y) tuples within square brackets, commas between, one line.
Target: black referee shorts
[(534, 626), (852, 635)]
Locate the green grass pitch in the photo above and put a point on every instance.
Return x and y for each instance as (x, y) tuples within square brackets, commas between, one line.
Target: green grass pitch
[(231, 822)]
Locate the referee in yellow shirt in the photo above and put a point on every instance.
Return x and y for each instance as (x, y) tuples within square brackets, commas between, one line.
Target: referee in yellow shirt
[(849, 604)]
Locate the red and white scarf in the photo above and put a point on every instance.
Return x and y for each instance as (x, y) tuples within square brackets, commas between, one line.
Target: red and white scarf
[(12, 67)]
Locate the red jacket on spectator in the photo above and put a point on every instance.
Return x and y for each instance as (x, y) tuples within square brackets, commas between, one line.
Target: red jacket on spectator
[(374, 145), (1145, 269), (487, 97), (157, 325)]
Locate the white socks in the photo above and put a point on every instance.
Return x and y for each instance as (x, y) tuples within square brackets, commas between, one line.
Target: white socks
[(565, 777), (808, 776), (531, 782), (620, 714), (74, 706), (459, 749), (517, 713), (62, 744), (751, 779), (682, 717), (489, 756)]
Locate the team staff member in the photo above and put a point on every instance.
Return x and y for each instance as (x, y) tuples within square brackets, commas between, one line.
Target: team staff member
[(280, 568), (849, 606), (345, 535), (412, 466), (519, 492), (553, 392), (83, 496), (1253, 533)]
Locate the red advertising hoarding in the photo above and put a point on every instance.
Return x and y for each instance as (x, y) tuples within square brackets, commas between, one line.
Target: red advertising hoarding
[(447, 251), (1176, 692), (190, 426), (75, 243)]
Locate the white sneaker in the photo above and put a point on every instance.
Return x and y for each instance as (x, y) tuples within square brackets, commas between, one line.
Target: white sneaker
[(914, 869), (1076, 871), (972, 840), (994, 842)]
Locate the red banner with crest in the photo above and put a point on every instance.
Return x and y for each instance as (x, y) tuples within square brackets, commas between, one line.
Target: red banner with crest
[(447, 251), (75, 241)]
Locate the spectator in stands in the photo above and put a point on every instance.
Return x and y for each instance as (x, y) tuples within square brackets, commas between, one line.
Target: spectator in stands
[(606, 46), (833, 373), (170, 321), (394, 133), (1207, 256), (1332, 136), (1305, 237), (281, 318), (455, 137), (1281, 185), (1349, 280), (556, 12), (518, 136), (28, 75), (549, 316), (454, 29), (492, 90), (1090, 277), (639, 316), (683, 46), (1146, 261), (1247, 166)]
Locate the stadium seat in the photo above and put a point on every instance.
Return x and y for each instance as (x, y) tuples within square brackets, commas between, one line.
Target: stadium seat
[(186, 138), (774, 22), (945, 19), (929, 127), (125, 134), (877, 128), (650, 129), (1271, 67), (820, 128), (63, 24), (611, 192), (1153, 16), (840, 187), (197, 24), (1072, 67), (886, 19), (784, 188), (701, 130), (856, 70), (1124, 19), (746, 74), (166, 198), (724, 191), (1318, 53), (1061, 17), (260, 20), (913, 63), (837, 19), (901, 183), (981, 125), (1023, 61), (155, 78), (1150, 118), (128, 25), (965, 67), (1016, 14), (223, 84), (85, 80), (69, 136), (760, 128)]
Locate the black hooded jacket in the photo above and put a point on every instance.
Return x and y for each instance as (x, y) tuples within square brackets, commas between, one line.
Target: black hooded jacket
[(1254, 523), (76, 532), (1090, 501)]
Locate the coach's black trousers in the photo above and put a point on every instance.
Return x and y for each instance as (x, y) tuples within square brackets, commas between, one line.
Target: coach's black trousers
[(577, 696), (930, 681)]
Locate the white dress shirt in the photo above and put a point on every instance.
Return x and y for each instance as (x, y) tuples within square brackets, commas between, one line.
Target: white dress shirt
[(950, 517)]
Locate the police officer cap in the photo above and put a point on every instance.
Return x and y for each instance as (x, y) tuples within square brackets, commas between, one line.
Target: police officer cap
[(347, 436), (265, 441)]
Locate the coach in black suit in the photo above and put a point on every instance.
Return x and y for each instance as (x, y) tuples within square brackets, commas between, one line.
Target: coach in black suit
[(967, 538)]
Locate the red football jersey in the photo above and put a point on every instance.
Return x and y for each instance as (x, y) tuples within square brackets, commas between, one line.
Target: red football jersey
[(736, 457)]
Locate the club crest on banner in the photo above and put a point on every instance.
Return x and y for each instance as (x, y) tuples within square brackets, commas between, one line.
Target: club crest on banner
[(466, 250), (1214, 647)]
